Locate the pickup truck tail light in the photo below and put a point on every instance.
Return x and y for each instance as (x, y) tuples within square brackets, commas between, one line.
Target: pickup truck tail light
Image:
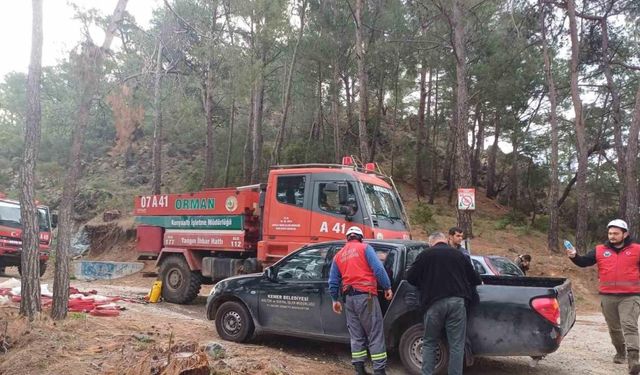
[(548, 308)]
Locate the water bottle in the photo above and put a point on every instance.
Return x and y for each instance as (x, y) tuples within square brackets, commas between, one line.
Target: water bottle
[(569, 247)]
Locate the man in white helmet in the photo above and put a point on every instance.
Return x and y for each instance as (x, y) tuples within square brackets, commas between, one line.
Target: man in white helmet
[(618, 262), (356, 272)]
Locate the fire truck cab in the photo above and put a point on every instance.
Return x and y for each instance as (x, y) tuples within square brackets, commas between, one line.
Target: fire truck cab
[(206, 236)]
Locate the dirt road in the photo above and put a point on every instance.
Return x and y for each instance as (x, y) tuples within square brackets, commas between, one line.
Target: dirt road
[(585, 350)]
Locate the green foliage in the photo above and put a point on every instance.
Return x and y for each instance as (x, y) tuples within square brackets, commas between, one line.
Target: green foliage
[(513, 218), (422, 215), (77, 316), (541, 224)]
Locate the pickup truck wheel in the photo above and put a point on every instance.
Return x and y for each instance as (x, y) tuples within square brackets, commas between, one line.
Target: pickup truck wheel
[(233, 322), (179, 283), (411, 351)]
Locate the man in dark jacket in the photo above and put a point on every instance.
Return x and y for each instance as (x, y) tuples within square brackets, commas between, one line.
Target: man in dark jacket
[(446, 280), (619, 286)]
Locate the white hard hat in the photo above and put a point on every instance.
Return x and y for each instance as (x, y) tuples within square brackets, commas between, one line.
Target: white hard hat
[(355, 230), (618, 223)]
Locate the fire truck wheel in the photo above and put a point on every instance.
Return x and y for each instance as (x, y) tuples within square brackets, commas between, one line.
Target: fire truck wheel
[(410, 350), (233, 322), (43, 269), (179, 283)]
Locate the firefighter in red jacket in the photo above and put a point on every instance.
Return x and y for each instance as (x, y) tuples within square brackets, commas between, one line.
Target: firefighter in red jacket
[(356, 272), (618, 262)]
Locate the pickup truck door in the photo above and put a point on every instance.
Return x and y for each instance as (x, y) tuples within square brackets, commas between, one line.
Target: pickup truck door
[(332, 324), (291, 302), (336, 324)]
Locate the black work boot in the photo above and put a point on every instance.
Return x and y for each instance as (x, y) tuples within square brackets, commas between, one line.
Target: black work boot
[(360, 368), (632, 360), (621, 354), (379, 371)]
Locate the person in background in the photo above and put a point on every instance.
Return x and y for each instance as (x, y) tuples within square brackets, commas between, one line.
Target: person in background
[(523, 262), (446, 280), (618, 262), (357, 268), (456, 237)]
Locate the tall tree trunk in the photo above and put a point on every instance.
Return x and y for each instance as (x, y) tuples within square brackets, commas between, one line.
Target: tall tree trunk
[(491, 163), (257, 120), (365, 154), (320, 114), (616, 115), (477, 152), (315, 131), (156, 181), (247, 160), (349, 99), (90, 71), (29, 263), (434, 145), (631, 171), (275, 156), (396, 93), (581, 136), (554, 188), (447, 168), (420, 143), (335, 110), (232, 119), (380, 117), (427, 136), (463, 175), (232, 122), (210, 146), (513, 184)]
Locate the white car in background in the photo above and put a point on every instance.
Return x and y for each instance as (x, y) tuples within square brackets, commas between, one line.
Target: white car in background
[(495, 265)]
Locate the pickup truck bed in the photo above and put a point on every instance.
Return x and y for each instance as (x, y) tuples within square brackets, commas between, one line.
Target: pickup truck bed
[(515, 316)]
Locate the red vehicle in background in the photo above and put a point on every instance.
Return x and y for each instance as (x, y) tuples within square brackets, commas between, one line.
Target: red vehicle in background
[(11, 234), (206, 236)]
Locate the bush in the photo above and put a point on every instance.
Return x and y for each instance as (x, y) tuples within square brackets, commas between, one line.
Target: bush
[(422, 215), (513, 218), (541, 224)]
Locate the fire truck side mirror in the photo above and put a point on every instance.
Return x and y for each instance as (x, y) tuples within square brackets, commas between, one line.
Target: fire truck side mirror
[(54, 220), (343, 194)]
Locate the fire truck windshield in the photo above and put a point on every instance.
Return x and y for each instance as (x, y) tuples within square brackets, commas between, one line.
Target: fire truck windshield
[(10, 216), (382, 202)]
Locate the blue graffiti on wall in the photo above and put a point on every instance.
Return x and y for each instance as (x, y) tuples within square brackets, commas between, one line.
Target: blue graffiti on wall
[(107, 270)]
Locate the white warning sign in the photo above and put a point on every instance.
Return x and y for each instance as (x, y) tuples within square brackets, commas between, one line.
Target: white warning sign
[(466, 199)]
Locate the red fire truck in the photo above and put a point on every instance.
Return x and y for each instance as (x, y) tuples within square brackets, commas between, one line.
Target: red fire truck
[(11, 234), (205, 236)]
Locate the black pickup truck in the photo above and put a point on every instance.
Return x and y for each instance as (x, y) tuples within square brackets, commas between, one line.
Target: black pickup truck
[(516, 316)]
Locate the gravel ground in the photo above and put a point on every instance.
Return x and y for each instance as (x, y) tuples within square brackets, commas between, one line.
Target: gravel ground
[(585, 350)]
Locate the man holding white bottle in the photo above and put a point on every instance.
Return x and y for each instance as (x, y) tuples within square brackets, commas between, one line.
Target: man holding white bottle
[(618, 262)]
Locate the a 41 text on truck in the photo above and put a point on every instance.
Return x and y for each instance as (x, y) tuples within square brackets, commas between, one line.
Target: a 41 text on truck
[(199, 238)]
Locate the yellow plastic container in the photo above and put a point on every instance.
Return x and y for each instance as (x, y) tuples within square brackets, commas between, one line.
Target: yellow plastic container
[(156, 290)]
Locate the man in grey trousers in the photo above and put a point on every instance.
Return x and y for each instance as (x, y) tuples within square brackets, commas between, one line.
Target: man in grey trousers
[(356, 271), (446, 280)]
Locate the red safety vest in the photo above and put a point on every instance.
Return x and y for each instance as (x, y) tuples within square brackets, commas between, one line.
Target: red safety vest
[(619, 272), (355, 269)]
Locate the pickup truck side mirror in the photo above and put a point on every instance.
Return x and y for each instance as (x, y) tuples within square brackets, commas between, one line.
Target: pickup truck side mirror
[(54, 220), (269, 274)]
